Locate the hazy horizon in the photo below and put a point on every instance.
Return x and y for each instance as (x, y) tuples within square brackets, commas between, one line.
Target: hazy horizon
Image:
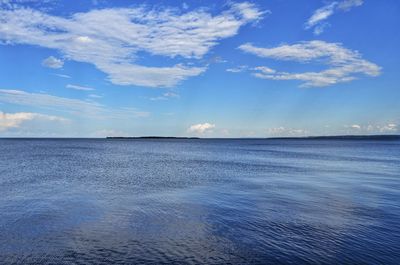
[(144, 137)]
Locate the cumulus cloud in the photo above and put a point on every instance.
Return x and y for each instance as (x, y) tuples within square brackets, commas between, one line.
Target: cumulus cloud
[(343, 64), (53, 62), (83, 88), (201, 128), (14, 120), (72, 106), (318, 18), (111, 38)]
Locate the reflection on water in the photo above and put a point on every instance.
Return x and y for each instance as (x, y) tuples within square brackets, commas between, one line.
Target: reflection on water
[(199, 201)]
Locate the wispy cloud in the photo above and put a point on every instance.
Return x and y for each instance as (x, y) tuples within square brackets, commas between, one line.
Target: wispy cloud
[(201, 128), (286, 132), (390, 127), (14, 120), (16, 3), (68, 105), (111, 38), (264, 69), (343, 64), (95, 96), (62, 75), (318, 18), (53, 62), (370, 128), (346, 5), (166, 96), (110, 133), (83, 88), (238, 69)]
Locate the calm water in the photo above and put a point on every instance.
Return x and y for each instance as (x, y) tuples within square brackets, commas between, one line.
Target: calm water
[(199, 201)]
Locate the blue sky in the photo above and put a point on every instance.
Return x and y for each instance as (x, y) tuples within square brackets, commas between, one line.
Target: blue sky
[(199, 68)]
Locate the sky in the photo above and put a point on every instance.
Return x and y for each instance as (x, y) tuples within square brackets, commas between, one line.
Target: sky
[(270, 68)]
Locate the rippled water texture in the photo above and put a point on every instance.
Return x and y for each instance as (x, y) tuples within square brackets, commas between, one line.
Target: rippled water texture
[(199, 201)]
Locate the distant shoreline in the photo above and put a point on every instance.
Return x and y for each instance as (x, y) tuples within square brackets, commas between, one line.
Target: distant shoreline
[(150, 137), (335, 137)]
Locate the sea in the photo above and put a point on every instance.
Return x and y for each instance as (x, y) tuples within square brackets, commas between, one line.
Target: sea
[(199, 201)]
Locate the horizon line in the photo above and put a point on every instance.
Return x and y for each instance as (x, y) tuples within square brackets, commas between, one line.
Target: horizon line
[(342, 136)]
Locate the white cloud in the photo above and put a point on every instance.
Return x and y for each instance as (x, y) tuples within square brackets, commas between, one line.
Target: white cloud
[(14, 120), (317, 20), (234, 70), (391, 127), (68, 105), (216, 59), (83, 39), (343, 64), (264, 69), (346, 5), (111, 38), (23, 98), (321, 14), (76, 87), (128, 74), (201, 128), (52, 62), (248, 11), (238, 69), (17, 3), (373, 128), (62, 75)]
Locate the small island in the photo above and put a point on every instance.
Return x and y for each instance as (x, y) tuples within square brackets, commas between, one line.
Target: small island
[(148, 137)]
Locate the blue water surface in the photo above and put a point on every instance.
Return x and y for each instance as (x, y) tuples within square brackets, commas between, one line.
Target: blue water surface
[(98, 201)]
